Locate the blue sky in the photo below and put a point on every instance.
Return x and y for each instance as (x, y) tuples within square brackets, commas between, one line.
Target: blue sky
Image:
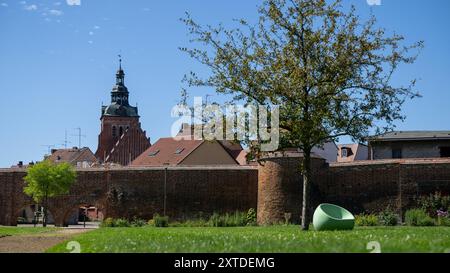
[(57, 63)]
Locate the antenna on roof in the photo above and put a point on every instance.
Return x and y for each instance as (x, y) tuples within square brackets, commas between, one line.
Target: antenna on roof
[(79, 135), (65, 139), (49, 148)]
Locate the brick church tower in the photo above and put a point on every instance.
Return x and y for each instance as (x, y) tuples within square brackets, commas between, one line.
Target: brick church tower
[(121, 139)]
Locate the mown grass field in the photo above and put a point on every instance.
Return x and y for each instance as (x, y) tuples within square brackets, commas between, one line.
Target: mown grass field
[(260, 240), (10, 231)]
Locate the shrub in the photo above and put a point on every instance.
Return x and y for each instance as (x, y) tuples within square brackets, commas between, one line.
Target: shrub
[(251, 217), (121, 222), (418, 217), (388, 218), (433, 202), (366, 220), (151, 222), (237, 219), (137, 222), (108, 222), (444, 221), (161, 221)]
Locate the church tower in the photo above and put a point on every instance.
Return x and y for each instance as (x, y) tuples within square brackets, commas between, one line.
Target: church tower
[(121, 139)]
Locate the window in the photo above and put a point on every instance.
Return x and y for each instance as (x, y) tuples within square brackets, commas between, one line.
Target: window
[(120, 131), (445, 151), (344, 152), (179, 151), (153, 153), (114, 131), (397, 153)]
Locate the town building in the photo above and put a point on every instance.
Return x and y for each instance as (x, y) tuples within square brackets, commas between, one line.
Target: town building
[(352, 152), (78, 157), (121, 139), (185, 150), (410, 144)]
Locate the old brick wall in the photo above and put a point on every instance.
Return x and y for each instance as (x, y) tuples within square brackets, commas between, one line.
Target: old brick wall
[(129, 192), (280, 188), (366, 186)]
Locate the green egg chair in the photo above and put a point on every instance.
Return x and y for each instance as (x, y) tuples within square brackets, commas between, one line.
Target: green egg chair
[(332, 217)]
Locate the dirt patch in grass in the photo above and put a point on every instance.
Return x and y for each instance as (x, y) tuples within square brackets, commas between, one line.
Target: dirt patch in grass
[(36, 243)]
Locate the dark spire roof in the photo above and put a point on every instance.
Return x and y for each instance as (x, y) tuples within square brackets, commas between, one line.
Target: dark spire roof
[(119, 98)]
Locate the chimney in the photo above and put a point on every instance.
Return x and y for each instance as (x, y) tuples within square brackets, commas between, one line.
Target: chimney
[(75, 148), (20, 165)]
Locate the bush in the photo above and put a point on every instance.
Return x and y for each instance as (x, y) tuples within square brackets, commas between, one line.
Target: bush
[(161, 221), (418, 217), (151, 222), (251, 217), (366, 220), (108, 222), (137, 222), (121, 222), (388, 218), (443, 221), (237, 219), (433, 202)]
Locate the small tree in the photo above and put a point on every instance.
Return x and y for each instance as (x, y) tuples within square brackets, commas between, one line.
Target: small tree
[(328, 71), (46, 179)]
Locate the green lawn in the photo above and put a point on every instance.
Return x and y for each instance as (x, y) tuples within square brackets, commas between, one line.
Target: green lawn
[(261, 239), (9, 231)]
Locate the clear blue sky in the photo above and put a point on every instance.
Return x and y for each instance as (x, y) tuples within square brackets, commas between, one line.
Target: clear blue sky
[(57, 63)]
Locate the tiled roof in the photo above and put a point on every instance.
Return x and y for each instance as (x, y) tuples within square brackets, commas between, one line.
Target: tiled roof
[(72, 155), (412, 135), (163, 152)]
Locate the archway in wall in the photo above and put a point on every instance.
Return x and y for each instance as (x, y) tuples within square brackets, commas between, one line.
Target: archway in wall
[(81, 213), (26, 215)]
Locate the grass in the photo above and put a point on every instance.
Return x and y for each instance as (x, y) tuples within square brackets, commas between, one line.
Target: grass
[(260, 240), (10, 231)]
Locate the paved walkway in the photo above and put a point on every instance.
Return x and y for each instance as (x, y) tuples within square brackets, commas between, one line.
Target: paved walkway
[(38, 242)]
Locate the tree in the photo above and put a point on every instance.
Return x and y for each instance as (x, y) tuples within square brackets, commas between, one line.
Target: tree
[(328, 71), (45, 180)]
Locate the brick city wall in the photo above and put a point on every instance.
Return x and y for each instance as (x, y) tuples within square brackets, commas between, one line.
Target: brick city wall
[(275, 188), (130, 192), (366, 186)]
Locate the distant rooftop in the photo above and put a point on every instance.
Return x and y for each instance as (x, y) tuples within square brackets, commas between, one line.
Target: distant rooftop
[(412, 135)]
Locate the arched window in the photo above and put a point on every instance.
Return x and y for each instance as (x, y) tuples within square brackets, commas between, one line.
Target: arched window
[(120, 131), (114, 131)]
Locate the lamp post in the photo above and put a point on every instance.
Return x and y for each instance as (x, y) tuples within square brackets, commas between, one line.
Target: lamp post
[(165, 190)]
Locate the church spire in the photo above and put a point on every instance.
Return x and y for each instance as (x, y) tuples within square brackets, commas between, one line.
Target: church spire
[(120, 75)]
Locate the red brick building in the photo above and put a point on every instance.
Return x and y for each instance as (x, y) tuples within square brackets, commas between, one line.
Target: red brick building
[(121, 139)]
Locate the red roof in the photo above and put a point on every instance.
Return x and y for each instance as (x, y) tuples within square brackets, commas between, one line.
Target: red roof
[(167, 151)]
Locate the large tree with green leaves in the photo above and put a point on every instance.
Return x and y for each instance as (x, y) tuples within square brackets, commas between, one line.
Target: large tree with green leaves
[(46, 180), (329, 72)]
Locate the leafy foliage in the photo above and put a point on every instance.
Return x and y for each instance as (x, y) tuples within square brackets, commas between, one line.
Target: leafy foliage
[(434, 202), (108, 222), (46, 180), (251, 217), (329, 72), (418, 217), (236, 219), (366, 220), (388, 217), (161, 221)]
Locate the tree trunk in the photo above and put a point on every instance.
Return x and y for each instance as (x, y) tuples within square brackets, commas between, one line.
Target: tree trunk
[(306, 171), (44, 219)]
